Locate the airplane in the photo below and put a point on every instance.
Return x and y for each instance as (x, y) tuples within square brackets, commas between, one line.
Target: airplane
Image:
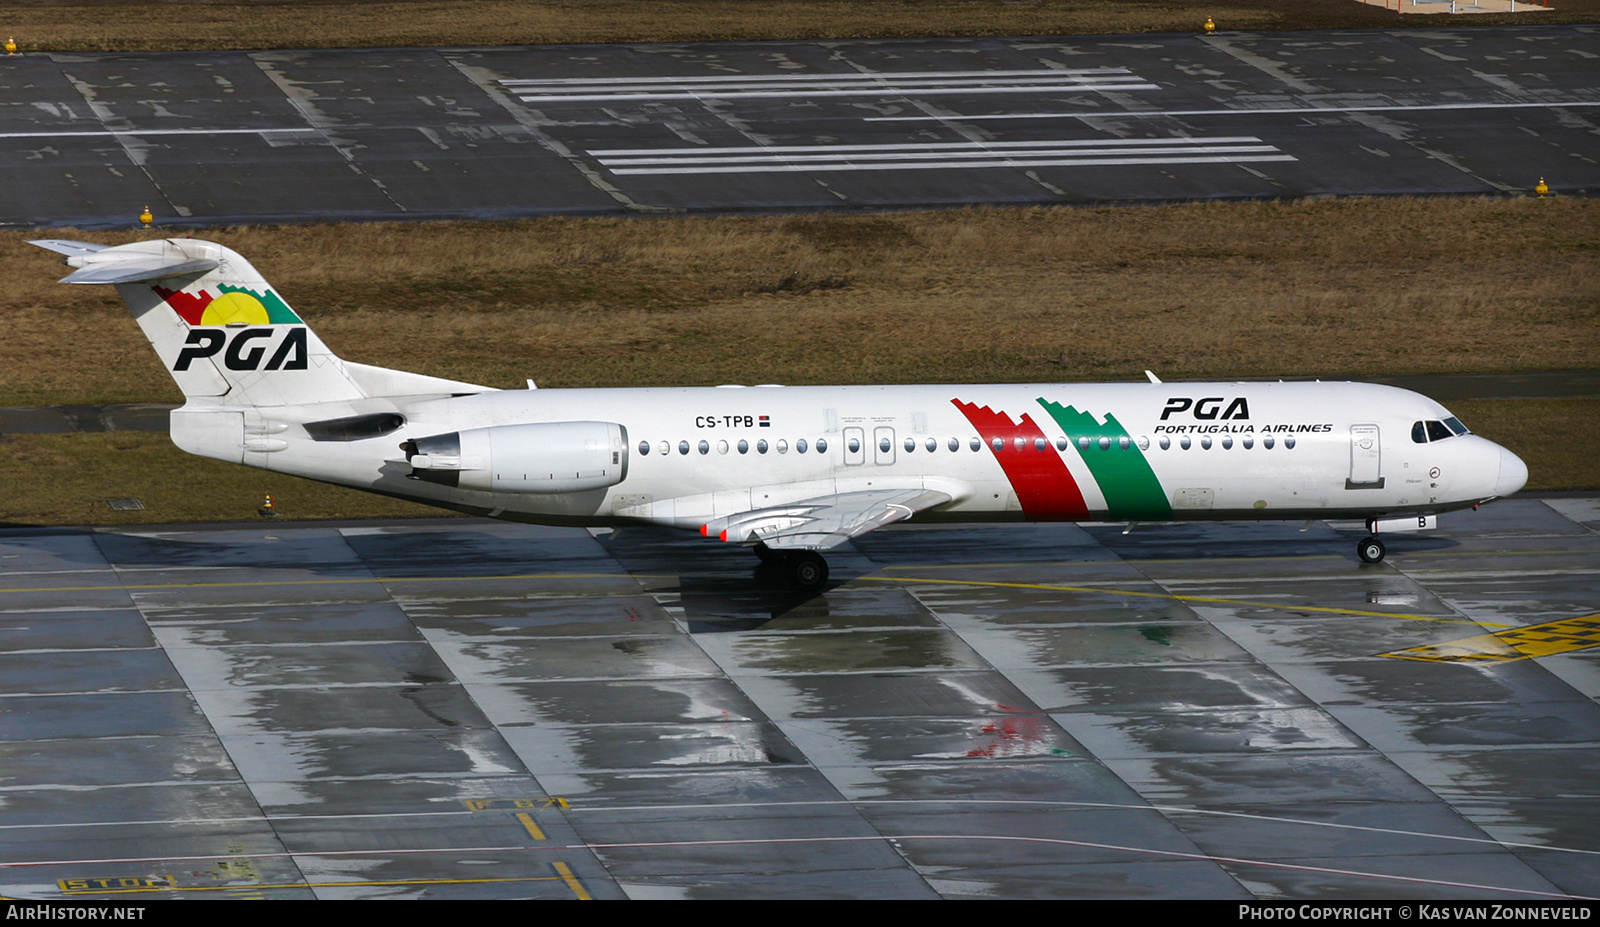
[(789, 471)]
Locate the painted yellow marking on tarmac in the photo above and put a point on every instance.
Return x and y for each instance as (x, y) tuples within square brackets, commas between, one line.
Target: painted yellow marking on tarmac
[(533, 804), (566, 876), (1536, 640), (1204, 600), (528, 825), (115, 882)]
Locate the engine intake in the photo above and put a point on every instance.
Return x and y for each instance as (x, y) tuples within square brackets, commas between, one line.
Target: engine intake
[(548, 457)]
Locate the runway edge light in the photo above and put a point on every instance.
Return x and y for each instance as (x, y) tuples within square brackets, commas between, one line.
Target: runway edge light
[(11, 46), (146, 218), (1210, 26), (1542, 188)]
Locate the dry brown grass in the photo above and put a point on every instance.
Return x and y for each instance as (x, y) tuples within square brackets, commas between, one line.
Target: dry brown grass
[(152, 25), (1327, 288)]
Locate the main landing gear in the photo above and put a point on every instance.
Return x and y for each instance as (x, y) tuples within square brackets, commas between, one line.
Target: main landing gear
[(805, 570)]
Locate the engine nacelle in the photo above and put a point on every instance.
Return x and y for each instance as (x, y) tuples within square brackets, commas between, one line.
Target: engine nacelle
[(547, 457)]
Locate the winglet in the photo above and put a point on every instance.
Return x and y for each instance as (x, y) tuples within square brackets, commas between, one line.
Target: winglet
[(1153, 377)]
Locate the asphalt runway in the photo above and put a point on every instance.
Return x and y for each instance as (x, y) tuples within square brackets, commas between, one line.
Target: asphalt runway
[(287, 136), (468, 709)]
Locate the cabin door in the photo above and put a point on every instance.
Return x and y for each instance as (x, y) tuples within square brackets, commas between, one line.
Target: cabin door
[(1365, 458)]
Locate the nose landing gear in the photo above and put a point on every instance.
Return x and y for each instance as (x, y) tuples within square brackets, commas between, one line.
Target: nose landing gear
[(1370, 550)]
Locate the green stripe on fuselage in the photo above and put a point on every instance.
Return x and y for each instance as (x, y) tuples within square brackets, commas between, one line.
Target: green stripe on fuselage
[(1124, 476)]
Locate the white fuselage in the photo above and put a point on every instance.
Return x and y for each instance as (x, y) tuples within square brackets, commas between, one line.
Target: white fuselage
[(1126, 452)]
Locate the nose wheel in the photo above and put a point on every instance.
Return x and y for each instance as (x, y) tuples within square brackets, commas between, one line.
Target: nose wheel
[(1370, 550)]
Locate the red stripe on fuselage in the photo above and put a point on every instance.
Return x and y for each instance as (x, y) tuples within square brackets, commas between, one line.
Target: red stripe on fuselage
[(1044, 485)]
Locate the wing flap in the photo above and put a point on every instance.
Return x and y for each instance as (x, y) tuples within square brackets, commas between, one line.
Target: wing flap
[(826, 521)]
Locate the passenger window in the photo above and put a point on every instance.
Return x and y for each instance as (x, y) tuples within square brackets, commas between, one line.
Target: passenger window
[(1419, 433), (1123, 443), (911, 445), (1248, 442), (683, 447), (1105, 444), (884, 445), (1205, 443), (761, 446), (975, 444), (783, 445), (644, 448), (999, 444), (955, 445), (1183, 442), (800, 446), (664, 448), (1083, 443), (933, 445), (1437, 431), (722, 447), (1144, 443), (1267, 442), (744, 446), (1040, 444), (1166, 442), (1020, 442), (705, 447), (855, 445), (822, 445), (1288, 442), (1227, 442)]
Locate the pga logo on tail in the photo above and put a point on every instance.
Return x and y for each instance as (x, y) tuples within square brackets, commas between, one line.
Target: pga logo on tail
[(246, 347)]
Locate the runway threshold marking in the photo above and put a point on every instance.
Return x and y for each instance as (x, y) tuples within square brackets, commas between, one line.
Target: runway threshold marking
[(1549, 638), (813, 86), (1205, 600), (1265, 111), (937, 155)]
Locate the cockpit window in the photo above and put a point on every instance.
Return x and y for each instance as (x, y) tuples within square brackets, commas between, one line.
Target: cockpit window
[(1437, 431), (1419, 433), (1456, 426)]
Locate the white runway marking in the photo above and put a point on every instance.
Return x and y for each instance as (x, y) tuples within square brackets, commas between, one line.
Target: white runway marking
[(1241, 111), (808, 86), (938, 155)]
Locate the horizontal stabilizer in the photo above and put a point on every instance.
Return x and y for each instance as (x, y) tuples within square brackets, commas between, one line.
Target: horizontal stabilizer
[(63, 246), (140, 262), (137, 271)]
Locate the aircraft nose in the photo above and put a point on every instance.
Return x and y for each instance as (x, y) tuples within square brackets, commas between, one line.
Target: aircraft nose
[(1513, 474)]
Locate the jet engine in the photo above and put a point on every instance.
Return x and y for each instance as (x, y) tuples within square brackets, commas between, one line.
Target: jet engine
[(547, 457)]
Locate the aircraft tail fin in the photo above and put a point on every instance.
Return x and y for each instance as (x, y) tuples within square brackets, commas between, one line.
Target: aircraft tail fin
[(224, 333)]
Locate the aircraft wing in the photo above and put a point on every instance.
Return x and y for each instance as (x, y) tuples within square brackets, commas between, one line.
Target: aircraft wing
[(826, 521)]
